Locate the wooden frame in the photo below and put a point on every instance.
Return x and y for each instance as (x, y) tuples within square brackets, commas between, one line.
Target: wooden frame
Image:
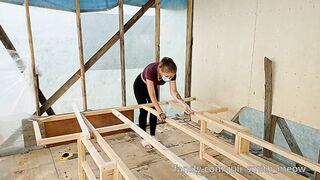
[(122, 55), (239, 152)]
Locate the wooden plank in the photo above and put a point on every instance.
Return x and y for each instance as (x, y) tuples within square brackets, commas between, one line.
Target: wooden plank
[(93, 153), (81, 58), (81, 160), (293, 145), (217, 163), (124, 170), (88, 171), (214, 110), (122, 55), (104, 111), (113, 128), (189, 43), (269, 127), (84, 129), (220, 146), (281, 151), (95, 57), (33, 65), (157, 145)]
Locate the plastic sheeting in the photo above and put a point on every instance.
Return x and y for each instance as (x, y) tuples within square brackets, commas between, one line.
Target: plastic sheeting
[(96, 5), (17, 94)]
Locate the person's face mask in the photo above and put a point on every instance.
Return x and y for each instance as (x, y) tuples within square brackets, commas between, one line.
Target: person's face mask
[(165, 78)]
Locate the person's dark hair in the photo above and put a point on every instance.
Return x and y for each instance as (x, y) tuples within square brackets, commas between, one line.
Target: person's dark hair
[(167, 65)]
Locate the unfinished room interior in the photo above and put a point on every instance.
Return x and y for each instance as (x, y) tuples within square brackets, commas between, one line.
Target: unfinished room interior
[(159, 89)]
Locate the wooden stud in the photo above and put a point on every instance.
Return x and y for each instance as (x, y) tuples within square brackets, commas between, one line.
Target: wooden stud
[(189, 43), (217, 163), (156, 144), (81, 160), (122, 54), (80, 44), (269, 127), (95, 57), (33, 65), (93, 153), (203, 129)]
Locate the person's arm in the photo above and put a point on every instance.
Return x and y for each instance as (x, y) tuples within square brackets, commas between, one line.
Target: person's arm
[(152, 94), (175, 94)]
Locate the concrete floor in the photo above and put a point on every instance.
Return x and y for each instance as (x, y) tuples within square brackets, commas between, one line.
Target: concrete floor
[(145, 164)]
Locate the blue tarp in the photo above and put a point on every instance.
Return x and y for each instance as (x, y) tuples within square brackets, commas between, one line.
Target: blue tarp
[(96, 5)]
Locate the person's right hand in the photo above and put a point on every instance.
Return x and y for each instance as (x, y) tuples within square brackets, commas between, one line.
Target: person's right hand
[(162, 116)]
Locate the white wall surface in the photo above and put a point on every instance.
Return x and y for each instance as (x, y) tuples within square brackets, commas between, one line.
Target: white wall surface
[(231, 39)]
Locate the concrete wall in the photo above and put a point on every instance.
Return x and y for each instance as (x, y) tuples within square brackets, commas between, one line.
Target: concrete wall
[(231, 39)]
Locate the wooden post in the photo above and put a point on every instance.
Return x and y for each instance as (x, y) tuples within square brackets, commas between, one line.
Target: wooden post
[(80, 44), (157, 36), (203, 130), (33, 65), (81, 159), (122, 54), (269, 122), (189, 40), (95, 57)]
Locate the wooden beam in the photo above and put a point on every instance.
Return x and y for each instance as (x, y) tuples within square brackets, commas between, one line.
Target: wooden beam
[(217, 163), (58, 139), (124, 170), (33, 65), (269, 125), (95, 57), (293, 145), (281, 151), (81, 58), (189, 43), (19, 63), (157, 145), (122, 55), (85, 131)]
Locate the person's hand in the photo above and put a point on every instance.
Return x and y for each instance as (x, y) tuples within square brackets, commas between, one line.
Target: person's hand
[(188, 110), (162, 116)]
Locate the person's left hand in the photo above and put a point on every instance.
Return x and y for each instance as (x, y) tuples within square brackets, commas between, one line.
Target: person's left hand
[(188, 110)]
